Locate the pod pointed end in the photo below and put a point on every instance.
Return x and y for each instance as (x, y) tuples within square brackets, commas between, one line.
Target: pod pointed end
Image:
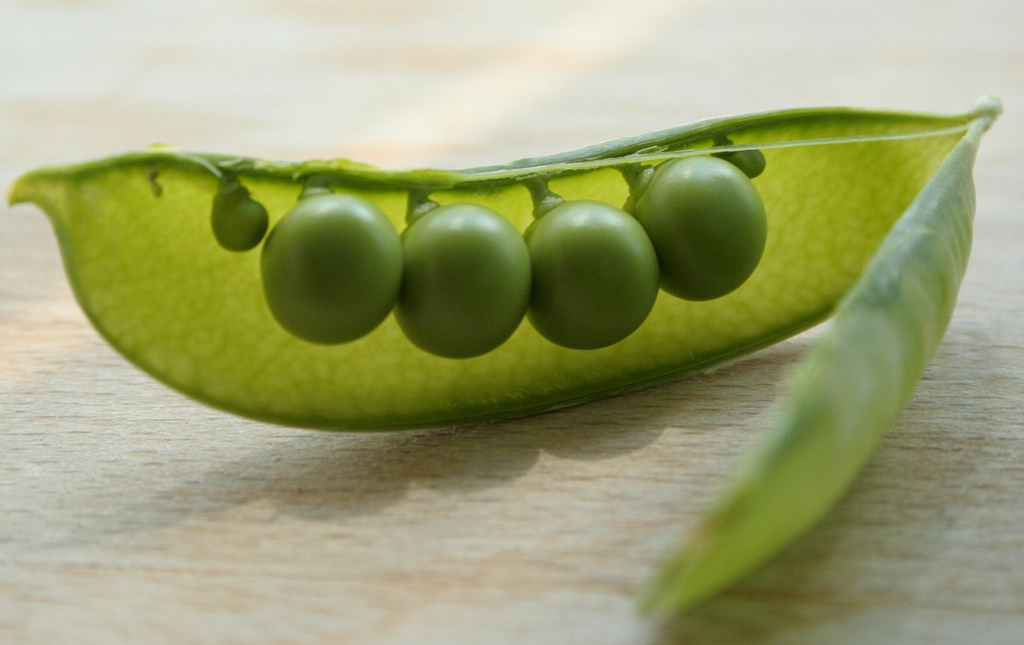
[(678, 585), (40, 188), (20, 191), (987, 108)]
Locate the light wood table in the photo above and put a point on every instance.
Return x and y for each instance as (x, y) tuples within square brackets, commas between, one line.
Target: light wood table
[(129, 514)]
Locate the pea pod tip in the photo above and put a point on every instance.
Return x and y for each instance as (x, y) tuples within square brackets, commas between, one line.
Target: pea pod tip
[(987, 107)]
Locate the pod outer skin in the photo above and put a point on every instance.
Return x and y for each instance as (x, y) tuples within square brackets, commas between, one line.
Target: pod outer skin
[(844, 395)]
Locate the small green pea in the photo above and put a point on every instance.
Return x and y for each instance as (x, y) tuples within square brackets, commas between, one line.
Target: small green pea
[(332, 268), (751, 162), (239, 222), (595, 275), (708, 224), (466, 282)]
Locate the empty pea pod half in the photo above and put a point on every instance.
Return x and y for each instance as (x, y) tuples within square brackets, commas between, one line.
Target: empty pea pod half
[(337, 295)]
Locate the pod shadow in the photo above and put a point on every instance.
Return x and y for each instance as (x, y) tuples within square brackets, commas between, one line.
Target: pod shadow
[(328, 476), (334, 477)]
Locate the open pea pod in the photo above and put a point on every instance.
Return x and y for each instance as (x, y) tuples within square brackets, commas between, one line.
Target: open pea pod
[(869, 208), (136, 239)]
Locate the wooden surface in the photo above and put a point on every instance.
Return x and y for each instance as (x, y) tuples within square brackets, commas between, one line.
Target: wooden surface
[(129, 514)]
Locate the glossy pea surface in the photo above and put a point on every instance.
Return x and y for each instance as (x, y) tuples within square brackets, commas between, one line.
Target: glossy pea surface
[(332, 268), (708, 224), (595, 275), (466, 281)]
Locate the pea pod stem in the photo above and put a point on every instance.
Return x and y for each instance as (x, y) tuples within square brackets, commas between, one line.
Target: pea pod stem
[(847, 392), (418, 204), (637, 176), (544, 200)]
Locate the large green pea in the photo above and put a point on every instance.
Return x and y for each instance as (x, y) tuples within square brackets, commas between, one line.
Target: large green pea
[(239, 222), (466, 282), (595, 275), (708, 224), (332, 268)]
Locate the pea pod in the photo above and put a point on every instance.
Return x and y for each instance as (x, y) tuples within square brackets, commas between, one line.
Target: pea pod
[(845, 394), (136, 240)]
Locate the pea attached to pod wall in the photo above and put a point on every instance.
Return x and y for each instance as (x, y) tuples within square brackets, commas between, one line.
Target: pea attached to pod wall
[(466, 281), (595, 274), (239, 222), (751, 162), (332, 268), (708, 224)]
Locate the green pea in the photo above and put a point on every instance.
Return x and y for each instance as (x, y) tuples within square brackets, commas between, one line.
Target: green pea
[(595, 275), (332, 268), (239, 222), (751, 162), (708, 224), (466, 281)]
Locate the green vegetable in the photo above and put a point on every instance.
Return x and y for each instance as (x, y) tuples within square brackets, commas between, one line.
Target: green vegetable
[(846, 393), (466, 284), (332, 268), (707, 223), (595, 275), (196, 316), (871, 208)]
